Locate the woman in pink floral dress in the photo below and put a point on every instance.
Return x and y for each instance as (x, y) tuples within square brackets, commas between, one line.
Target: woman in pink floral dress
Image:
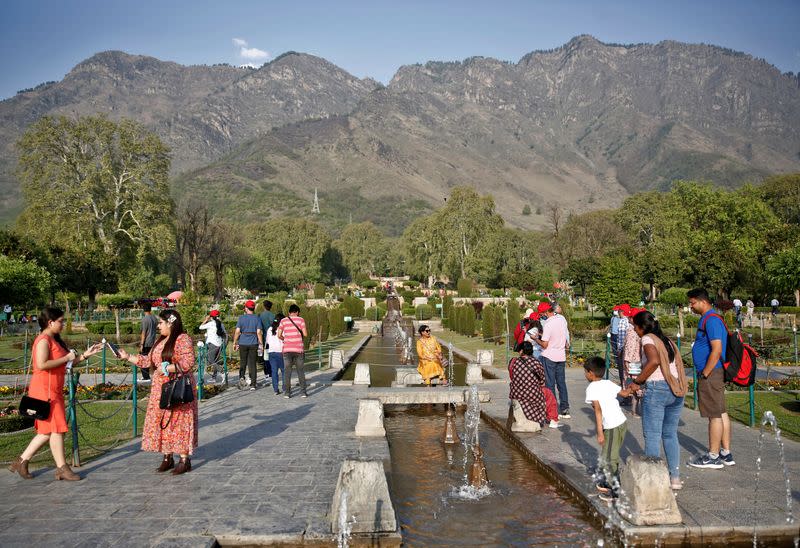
[(173, 430)]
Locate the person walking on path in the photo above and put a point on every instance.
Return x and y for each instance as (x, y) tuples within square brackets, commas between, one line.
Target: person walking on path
[(49, 360), (266, 318), (292, 331), (664, 377), (619, 352), (215, 336), (172, 430), (553, 341), (751, 306), (275, 353), (148, 335), (248, 340), (707, 351), (775, 306), (610, 422)]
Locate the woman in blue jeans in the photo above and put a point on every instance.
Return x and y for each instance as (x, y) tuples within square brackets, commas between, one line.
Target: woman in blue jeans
[(664, 381), (275, 353)]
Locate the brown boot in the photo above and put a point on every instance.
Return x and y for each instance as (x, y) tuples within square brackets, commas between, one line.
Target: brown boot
[(66, 473), (166, 464), (21, 467), (183, 466)]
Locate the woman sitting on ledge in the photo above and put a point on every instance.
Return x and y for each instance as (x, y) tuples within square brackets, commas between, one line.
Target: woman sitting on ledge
[(429, 352), (527, 387)]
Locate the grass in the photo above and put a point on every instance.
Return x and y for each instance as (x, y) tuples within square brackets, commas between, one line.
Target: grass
[(785, 406), (103, 434)]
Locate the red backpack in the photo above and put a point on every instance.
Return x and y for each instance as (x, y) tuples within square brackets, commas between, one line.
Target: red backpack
[(740, 357)]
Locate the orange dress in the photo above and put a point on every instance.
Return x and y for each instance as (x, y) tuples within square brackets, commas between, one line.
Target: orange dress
[(49, 385), (180, 435)]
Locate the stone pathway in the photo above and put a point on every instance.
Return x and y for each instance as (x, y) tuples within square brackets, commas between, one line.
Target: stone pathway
[(712, 502), (265, 470)]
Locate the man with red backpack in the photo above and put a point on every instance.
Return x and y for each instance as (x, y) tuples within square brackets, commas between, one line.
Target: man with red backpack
[(708, 354)]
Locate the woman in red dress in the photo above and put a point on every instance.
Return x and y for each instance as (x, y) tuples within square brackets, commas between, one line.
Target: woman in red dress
[(49, 360), (173, 430)]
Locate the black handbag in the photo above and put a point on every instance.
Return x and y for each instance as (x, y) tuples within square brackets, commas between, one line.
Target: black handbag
[(31, 407), (176, 391)]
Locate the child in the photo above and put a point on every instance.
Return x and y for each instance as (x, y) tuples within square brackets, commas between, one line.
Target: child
[(610, 420)]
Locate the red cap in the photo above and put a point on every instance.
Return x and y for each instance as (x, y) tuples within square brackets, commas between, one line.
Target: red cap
[(250, 304), (617, 307), (214, 313), (534, 316), (544, 306)]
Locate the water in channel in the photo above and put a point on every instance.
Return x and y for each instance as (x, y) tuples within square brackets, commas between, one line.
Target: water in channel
[(522, 507)]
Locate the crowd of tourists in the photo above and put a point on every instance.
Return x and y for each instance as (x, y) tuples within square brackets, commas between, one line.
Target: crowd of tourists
[(652, 384)]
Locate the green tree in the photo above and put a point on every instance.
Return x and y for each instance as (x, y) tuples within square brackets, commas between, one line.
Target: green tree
[(582, 272), (101, 183), (783, 271), (295, 248), (116, 301), (363, 249), (23, 282), (616, 283), (526, 210)]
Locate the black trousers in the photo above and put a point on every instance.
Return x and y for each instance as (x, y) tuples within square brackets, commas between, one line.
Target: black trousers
[(248, 354)]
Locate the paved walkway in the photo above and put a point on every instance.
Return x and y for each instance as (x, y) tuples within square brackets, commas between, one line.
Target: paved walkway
[(265, 470), (712, 502)]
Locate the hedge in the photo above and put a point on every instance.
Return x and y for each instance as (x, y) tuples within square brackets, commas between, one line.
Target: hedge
[(354, 306), (424, 312), (109, 328)]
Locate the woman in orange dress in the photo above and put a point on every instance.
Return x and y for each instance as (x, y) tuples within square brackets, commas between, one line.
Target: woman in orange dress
[(49, 363), (429, 352), (173, 430)]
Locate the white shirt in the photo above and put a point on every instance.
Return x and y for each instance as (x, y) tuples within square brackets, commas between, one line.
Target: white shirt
[(774, 302), (274, 344), (556, 334), (210, 327), (737, 302), (605, 393)]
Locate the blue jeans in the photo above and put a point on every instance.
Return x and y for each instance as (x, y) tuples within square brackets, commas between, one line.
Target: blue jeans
[(661, 412), (555, 376), (276, 364)]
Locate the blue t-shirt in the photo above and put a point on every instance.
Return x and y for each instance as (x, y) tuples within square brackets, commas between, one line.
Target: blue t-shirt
[(615, 325), (266, 320), (248, 324), (713, 330)]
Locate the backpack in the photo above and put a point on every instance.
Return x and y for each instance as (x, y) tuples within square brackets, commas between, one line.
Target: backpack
[(740, 358)]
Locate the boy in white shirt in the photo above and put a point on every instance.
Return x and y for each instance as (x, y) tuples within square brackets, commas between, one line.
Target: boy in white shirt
[(611, 424)]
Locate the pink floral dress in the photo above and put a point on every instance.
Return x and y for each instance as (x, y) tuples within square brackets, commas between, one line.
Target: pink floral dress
[(180, 435)]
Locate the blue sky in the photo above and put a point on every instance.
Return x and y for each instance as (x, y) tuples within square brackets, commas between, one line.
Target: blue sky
[(42, 40)]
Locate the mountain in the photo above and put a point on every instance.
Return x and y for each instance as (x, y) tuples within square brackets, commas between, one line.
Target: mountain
[(199, 111), (581, 126)]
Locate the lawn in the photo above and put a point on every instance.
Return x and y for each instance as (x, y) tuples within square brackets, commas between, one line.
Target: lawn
[(786, 408)]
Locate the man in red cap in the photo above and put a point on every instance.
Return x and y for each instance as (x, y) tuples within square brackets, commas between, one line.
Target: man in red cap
[(248, 339), (554, 342)]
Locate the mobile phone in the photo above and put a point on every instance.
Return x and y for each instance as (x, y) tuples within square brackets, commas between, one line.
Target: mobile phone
[(114, 348)]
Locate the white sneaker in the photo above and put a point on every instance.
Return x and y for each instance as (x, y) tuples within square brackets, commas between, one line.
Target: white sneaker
[(564, 416), (249, 382), (554, 424)]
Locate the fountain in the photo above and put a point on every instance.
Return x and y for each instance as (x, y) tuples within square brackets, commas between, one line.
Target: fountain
[(345, 524), (477, 474), (769, 419), (450, 435)]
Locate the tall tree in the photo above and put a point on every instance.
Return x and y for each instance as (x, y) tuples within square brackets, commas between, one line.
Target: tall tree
[(783, 271), (192, 230), (363, 249), (224, 250), (96, 186)]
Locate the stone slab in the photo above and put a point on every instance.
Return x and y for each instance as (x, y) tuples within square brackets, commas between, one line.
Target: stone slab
[(362, 374), (520, 422), (411, 396), (370, 418), (362, 497), (646, 497)]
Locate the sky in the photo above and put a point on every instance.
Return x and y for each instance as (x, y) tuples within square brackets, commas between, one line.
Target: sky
[(42, 40)]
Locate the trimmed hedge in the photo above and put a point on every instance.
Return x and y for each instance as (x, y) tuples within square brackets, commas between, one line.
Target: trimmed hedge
[(424, 312)]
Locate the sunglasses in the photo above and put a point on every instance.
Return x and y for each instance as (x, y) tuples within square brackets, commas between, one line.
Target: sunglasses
[(426, 330)]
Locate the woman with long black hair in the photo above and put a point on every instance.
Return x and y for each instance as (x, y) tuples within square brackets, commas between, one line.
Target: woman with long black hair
[(664, 381), (172, 430), (48, 361)]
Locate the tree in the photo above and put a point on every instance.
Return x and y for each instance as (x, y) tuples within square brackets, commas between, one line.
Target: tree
[(363, 249), (783, 271), (615, 284), (582, 272), (526, 210), (104, 184), (191, 240), (22, 282), (115, 301), (224, 251)]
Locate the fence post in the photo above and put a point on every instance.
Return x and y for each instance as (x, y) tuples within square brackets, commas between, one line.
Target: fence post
[(25, 352), (76, 454), (608, 352), (794, 330), (103, 363), (752, 406), (135, 397), (225, 360), (201, 368)]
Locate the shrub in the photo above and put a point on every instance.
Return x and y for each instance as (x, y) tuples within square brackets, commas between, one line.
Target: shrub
[(369, 284), (413, 284), (464, 287), (424, 312), (336, 325), (447, 310), (354, 306), (319, 290)]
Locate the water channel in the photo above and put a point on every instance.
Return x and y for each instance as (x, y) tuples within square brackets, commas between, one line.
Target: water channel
[(434, 505)]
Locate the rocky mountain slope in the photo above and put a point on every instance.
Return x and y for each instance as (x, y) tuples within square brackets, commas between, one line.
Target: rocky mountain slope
[(582, 126)]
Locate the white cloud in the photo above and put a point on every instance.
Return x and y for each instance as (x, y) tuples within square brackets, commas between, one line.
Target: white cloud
[(239, 43), (251, 65), (253, 53)]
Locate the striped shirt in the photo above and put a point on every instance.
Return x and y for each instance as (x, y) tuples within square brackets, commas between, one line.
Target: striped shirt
[(292, 336)]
